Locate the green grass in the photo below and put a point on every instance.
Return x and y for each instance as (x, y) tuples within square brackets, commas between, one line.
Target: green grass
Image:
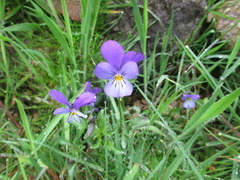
[(146, 136)]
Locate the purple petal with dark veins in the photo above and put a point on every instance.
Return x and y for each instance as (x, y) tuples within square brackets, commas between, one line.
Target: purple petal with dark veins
[(105, 70), (113, 52), (62, 111), (118, 88), (84, 99), (59, 97), (129, 70)]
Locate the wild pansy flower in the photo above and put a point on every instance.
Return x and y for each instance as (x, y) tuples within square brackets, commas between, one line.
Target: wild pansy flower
[(83, 100), (118, 69), (189, 100)]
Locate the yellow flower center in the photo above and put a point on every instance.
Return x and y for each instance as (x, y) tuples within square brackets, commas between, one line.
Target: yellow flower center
[(73, 113), (118, 77)]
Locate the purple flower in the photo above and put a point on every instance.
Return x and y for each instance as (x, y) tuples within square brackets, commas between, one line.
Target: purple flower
[(83, 100), (88, 88), (189, 100), (118, 69)]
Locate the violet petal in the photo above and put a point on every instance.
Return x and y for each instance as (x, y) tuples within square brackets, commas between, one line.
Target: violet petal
[(133, 56), (118, 88), (95, 90), (84, 99), (88, 86), (191, 96), (61, 111), (113, 52), (129, 70), (195, 96), (59, 97), (105, 70)]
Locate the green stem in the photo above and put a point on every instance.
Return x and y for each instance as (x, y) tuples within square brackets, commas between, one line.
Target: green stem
[(4, 55), (122, 119)]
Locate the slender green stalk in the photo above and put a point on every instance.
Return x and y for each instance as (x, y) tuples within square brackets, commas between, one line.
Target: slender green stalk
[(89, 16), (121, 109), (27, 128), (142, 26), (69, 31), (4, 55), (23, 172)]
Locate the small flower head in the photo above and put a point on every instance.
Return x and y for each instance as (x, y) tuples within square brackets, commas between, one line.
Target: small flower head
[(88, 88), (83, 100), (189, 100), (119, 68)]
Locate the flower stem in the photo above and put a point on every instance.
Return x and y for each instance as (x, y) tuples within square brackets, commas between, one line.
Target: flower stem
[(122, 120), (188, 113), (66, 130)]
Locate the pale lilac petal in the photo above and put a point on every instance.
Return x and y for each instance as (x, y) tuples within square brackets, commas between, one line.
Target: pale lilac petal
[(113, 52), (90, 129), (70, 118), (77, 118), (189, 104), (105, 70), (76, 115), (118, 88), (61, 111), (59, 97), (129, 70), (133, 56), (84, 99)]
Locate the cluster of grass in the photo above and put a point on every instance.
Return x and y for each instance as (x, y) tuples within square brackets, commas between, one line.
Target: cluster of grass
[(158, 139)]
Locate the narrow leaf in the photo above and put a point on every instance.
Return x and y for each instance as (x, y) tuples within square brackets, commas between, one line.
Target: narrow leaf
[(21, 27)]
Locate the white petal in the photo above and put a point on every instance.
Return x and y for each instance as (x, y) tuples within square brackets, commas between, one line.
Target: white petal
[(81, 114), (118, 88)]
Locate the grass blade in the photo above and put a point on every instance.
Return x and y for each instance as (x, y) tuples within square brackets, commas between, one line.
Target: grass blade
[(26, 127)]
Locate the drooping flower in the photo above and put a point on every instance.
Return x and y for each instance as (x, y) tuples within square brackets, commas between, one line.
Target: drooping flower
[(189, 100), (94, 90), (83, 100), (118, 69), (88, 88)]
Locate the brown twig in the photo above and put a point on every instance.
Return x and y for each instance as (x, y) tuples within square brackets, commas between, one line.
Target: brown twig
[(230, 126), (12, 118)]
